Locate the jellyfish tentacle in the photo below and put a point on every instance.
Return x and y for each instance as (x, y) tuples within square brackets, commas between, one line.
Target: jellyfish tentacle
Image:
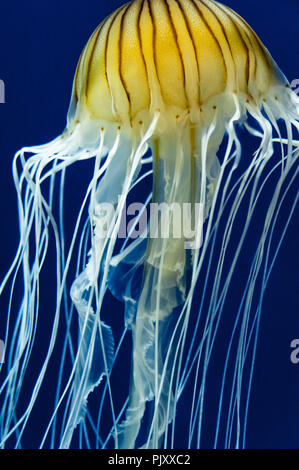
[(39, 212), (166, 266), (35, 217), (259, 164), (150, 311), (92, 361), (35, 209), (95, 354)]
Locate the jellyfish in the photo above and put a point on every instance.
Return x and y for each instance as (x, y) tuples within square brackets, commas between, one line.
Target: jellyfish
[(161, 92)]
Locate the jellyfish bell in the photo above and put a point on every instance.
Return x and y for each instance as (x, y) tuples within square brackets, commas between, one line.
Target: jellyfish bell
[(176, 77)]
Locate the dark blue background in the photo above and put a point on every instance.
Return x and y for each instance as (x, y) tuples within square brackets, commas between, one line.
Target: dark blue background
[(40, 45)]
